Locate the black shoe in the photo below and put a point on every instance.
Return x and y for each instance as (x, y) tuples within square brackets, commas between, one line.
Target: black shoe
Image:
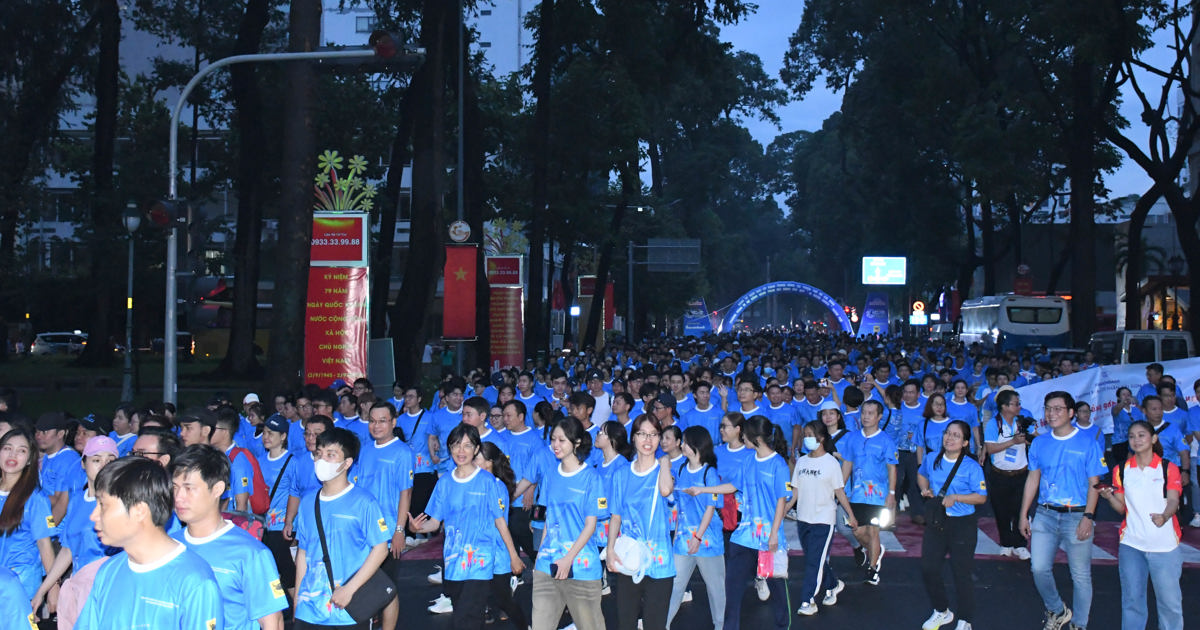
[(860, 556), (872, 577)]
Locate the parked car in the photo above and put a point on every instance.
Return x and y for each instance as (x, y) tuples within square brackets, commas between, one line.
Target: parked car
[(1141, 346), (58, 343)]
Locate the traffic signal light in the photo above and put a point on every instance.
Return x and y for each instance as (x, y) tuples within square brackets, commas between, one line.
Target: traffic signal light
[(167, 214), (386, 45)]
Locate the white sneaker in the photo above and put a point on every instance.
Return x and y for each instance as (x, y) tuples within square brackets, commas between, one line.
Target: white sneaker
[(687, 597), (760, 586), (1021, 553), (832, 594), (807, 609), (436, 576), (938, 619), (513, 583), (879, 560), (1006, 552), (1195, 522), (568, 627), (963, 625), (441, 605), (903, 505)]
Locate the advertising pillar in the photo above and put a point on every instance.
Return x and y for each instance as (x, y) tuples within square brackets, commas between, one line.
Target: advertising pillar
[(335, 328)]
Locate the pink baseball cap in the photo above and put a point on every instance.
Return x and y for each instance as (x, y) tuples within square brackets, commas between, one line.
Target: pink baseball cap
[(100, 444)]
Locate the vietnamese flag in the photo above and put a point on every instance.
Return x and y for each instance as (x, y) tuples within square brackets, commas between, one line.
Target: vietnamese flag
[(458, 303)]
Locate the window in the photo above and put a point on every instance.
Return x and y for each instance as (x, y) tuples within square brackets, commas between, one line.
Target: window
[(1034, 315), (485, 44), (1141, 350), (485, 12), (1174, 348), (365, 23)]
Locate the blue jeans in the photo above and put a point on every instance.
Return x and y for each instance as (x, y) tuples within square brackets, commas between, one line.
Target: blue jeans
[(1050, 530), (1163, 568), (816, 538)]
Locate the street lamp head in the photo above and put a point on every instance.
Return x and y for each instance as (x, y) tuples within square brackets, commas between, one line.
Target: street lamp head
[(132, 218)]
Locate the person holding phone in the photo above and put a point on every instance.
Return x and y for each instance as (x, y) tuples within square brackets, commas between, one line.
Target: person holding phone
[(567, 570), (819, 488), (698, 539), (1146, 490)]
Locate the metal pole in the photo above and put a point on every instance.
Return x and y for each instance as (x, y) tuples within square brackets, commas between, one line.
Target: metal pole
[(629, 302), (170, 340), (127, 377), (458, 172)]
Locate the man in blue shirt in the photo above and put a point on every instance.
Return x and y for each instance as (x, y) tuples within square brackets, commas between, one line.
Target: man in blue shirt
[(251, 594), (61, 473), (133, 497), (1064, 468), (869, 459)]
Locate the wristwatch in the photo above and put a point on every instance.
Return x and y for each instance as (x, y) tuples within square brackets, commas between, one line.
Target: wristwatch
[(1091, 515)]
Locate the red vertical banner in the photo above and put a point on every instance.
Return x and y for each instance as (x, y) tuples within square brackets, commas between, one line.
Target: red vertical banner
[(506, 313), (458, 293), (335, 326), (610, 307)]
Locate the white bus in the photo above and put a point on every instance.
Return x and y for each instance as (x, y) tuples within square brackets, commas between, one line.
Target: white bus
[(1013, 322)]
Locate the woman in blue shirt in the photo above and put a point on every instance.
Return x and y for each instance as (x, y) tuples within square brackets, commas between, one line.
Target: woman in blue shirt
[(639, 509), (966, 490), (25, 521), (1123, 415), (698, 539), (493, 460), (613, 442), (732, 455), (466, 500), (567, 571)]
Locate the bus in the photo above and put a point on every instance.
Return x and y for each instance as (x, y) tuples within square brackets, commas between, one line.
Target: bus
[(1014, 322)]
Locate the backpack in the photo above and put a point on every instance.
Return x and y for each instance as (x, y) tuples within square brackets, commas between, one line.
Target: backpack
[(260, 494), (1166, 474)]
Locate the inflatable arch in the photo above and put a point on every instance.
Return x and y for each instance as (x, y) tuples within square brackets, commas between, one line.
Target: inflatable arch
[(785, 286)]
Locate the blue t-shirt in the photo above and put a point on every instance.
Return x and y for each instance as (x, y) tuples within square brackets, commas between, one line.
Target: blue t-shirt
[(634, 501), (964, 411), (62, 472), (441, 424), (606, 471), (1121, 421), (853, 419), (1065, 464), (18, 550), (1193, 420), (295, 441), (241, 478), (358, 427), (416, 432), (1092, 431), (14, 606), (353, 524), (968, 480), (761, 484), (124, 442), (523, 455), (178, 591), (272, 469), (300, 477), (245, 572), (891, 423), (931, 435), (468, 509), (710, 419), (570, 499), (1170, 436), (911, 421), (730, 461), (385, 471), (77, 532), (869, 458), (783, 416), (691, 512), (805, 411)]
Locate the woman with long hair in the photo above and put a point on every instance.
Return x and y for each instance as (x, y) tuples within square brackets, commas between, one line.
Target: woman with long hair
[(732, 455), (819, 489), (614, 446), (567, 571), (936, 421), (639, 510), (25, 521), (467, 500), (698, 540), (1146, 489), (958, 495), (493, 460), (543, 420)]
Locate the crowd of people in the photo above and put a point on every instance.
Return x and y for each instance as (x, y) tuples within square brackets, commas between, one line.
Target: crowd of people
[(618, 473)]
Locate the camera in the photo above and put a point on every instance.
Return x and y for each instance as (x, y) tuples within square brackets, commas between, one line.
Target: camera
[(1024, 423)]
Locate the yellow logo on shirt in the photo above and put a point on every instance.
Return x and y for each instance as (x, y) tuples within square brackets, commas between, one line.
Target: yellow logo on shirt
[(788, 486), (276, 589), (982, 485), (32, 619), (410, 474), (211, 624), (602, 503), (50, 521), (500, 501), (382, 525), (245, 481)]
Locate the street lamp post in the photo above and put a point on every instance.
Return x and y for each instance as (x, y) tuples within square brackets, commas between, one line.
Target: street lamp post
[(382, 45), (132, 220)]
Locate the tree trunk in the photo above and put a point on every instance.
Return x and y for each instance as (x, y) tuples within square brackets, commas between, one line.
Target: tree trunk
[(1133, 257), (988, 236), (106, 223), (1081, 169), (629, 188), (296, 199), (656, 175), (475, 206), (535, 340), (425, 254), (381, 263), (564, 277), (1187, 213), (239, 355)]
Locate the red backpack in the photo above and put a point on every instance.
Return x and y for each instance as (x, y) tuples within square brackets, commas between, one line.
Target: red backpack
[(260, 494)]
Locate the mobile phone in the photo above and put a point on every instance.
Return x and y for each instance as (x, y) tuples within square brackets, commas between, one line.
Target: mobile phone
[(824, 382), (554, 570), (1103, 486)]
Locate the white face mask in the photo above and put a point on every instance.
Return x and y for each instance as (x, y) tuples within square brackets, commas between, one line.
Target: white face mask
[(810, 443), (326, 470)]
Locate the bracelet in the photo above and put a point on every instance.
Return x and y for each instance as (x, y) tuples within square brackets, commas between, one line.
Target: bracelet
[(697, 537)]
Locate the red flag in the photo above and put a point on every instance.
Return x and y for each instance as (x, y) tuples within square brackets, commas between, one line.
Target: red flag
[(458, 303)]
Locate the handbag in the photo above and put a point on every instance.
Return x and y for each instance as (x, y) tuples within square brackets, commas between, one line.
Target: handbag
[(634, 554), (935, 512), (372, 596)]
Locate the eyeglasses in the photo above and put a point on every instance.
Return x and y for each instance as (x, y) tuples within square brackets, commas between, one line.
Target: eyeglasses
[(646, 436), (146, 454), (1055, 408)]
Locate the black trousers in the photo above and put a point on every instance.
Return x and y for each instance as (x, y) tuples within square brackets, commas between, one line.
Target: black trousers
[(1004, 495), (422, 489), (281, 550), (906, 483), (518, 528), (649, 599), (958, 540), (502, 594), (469, 598)]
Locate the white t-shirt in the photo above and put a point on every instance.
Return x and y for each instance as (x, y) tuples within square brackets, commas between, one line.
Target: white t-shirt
[(814, 481)]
